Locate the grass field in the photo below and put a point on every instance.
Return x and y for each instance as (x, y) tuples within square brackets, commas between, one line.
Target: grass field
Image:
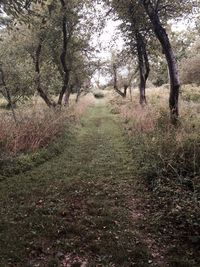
[(86, 201), (167, 158), (72, 208)]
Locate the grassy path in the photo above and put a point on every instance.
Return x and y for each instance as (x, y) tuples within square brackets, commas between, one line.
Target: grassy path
[(71, 210)]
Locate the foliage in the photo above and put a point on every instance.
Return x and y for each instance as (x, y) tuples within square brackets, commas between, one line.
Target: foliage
[(190, 93), (167, 159), (38, 131), (98, 95), (190, 63), (190, 70), (42, 28), (67, 210), (17, 67)]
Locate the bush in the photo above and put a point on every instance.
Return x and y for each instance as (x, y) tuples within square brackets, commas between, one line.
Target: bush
[(98, 95), (30, 133), (191, 93), (167, 153), (167, 158), (40, 134), (190, 69)]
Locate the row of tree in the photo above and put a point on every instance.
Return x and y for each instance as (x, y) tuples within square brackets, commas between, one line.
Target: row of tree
[(46, 45), (144, 25)]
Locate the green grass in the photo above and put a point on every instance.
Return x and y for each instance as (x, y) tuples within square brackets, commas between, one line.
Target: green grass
[(190, 93), (20, 163), (74, 206), (167, 160)]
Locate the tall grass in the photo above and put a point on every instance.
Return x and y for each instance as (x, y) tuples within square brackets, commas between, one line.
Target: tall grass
[(37, 126), (30, 133), (160, 148), (167, 157)]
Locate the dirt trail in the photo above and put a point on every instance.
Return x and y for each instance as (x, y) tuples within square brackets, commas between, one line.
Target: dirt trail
[(72, 210)]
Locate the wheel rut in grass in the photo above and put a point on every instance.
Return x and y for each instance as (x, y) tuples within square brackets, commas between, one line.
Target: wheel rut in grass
[(71, 210)]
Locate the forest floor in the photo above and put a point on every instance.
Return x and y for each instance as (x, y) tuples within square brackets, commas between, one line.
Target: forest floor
[(80, 208)]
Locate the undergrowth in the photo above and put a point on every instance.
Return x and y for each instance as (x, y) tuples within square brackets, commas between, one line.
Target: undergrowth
[(72, 210), (168, 159), (38, 135), (98, 95)]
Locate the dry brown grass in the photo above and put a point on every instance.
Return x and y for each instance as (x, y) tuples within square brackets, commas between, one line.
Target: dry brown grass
[(162, 149), (146, 119), (32, 131), (80, 107), (167, 159), (37, 125)]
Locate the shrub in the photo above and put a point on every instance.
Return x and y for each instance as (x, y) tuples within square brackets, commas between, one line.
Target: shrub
[(191, 93), (190, 68), (167, 153), (37, 126), (167, 158), (98, 95), (31, 133)]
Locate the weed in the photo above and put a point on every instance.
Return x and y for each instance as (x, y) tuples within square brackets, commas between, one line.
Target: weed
[(98, 95), (167, 158), (71, 209)]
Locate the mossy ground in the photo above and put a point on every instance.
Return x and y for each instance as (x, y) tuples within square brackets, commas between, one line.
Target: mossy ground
[(72, 209)]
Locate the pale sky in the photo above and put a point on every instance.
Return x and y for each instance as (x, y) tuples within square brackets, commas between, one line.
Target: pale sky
[(111, 38)]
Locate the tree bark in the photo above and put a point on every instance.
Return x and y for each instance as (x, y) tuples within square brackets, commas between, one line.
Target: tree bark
[(78, 93), (130, 92), (42, 94), (66, 98), (123, 94), (143, 66), (8, 95), (162, 36), (125, 90), (65, 89)]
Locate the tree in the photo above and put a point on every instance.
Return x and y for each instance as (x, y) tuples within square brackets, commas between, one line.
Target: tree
[(7, 92), (121, 71), (17, 68), (135, 33), (155, 15), (162, 36), (190, 65), (55, 38), (159, 12), (73, 43)]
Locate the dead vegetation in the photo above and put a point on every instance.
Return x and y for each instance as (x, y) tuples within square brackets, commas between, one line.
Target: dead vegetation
[(39, 135), (37, 126), (167, 158)]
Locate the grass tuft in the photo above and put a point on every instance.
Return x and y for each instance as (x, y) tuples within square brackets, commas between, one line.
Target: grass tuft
[(167, 158)]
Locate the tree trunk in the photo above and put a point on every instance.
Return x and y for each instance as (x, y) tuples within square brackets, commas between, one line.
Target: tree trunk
[(65, 89), (162, 36), (125, 90), (8, 95), (123, 94), (130, 91), (78, 94), (66, 98), (143, 66), (143, 100), (37, 77)]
